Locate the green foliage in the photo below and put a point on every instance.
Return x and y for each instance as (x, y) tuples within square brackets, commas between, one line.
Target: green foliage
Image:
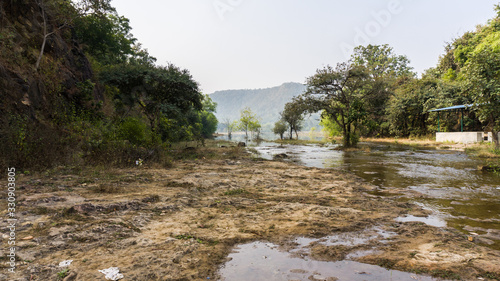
[(131, 109), (167, 96), (249, 122), (384, 71), (63, 273), (482, 79), (382, 62), (330, 126), (237, 191), (293, 115), (106, 37), (207, 117), (471, 70), (30, 145), (280, 128), (406, 109), (133, 130), (338, 93)]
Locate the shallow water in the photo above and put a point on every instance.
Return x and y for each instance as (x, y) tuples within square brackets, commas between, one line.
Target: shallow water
[(265, 261), (460, 195)]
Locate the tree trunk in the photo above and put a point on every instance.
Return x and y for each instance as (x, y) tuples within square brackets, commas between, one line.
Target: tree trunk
[(348, 136), (45, 35), (495, 138), (41, 51)]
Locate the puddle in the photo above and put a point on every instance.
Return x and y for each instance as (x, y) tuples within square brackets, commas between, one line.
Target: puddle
[(259, 261), (430, 220)]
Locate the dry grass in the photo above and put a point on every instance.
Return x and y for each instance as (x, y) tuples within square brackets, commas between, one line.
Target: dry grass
[(483, 150), (423, 141)]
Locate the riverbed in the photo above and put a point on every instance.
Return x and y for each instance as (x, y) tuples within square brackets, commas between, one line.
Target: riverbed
[(447, 182)]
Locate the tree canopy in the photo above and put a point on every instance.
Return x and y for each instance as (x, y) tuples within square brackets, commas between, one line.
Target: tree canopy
[(338, 92)]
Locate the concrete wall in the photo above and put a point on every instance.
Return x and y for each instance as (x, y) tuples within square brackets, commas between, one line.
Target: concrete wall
[(490, 137), (465, 137)]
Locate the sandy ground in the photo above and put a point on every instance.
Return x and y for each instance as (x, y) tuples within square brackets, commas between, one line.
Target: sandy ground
[(180, 223)]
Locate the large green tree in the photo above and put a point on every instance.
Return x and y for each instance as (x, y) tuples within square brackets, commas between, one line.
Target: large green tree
[(470, 69), (160, 92), (482, 79), (384, 68), (339, 92)]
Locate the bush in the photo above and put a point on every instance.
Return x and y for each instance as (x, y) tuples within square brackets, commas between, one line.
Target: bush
[(133, 130), (29, 144)]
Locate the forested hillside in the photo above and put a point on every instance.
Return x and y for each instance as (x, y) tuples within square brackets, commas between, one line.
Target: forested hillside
[(77, 88)]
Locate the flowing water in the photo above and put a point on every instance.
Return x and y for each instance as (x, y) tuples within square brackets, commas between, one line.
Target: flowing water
[(459, 195)]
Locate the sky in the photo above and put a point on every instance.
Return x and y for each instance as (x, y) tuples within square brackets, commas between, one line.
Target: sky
[(251, 44)]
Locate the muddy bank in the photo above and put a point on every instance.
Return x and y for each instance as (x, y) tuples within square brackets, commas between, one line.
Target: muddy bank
[(181, 223)]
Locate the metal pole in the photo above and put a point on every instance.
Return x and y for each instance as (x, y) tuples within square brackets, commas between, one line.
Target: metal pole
[(462, 120), (439, 124)]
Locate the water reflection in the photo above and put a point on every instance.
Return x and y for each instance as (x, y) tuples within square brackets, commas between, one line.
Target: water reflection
[(265, 261)]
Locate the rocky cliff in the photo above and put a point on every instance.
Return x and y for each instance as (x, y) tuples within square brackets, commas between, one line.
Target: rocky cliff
[(63, 67)]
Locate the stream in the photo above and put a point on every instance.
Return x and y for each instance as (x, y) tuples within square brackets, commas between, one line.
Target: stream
[(458, 194)]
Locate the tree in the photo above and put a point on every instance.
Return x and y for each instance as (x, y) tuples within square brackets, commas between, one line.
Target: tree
[(165, 94), (248, 121), (207, 117), (381, 61), (338, 93), (230, 126), (67, 13), (482, 79), (106, 37), (406, 109), (293, 115), (280, 128), (384, 69)]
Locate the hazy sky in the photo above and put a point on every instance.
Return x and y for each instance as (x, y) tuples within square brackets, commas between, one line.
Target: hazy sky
[(246, 44)]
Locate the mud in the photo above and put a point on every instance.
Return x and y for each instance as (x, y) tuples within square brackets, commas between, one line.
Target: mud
[(181, 223)]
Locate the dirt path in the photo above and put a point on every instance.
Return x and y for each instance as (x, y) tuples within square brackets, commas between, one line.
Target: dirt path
[(180, 223)]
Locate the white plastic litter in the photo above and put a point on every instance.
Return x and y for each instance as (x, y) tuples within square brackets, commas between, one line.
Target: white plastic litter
[(65, 263), (112, 273)]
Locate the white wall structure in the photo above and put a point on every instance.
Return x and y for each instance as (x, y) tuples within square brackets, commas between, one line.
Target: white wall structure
[(460, 137), (464, 137)]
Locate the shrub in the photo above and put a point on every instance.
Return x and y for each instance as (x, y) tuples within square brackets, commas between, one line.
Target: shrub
[(133, 130)]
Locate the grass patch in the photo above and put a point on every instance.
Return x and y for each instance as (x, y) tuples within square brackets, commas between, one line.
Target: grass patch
[(446, 274), (41, 210), (483, 150), (107, 189), (63, 273), (235, 192), (491, 275), (386, 263)]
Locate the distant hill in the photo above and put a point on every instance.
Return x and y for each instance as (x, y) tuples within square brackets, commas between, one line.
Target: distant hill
[(265, 103)]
